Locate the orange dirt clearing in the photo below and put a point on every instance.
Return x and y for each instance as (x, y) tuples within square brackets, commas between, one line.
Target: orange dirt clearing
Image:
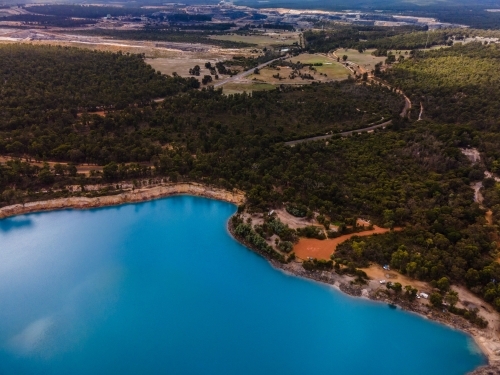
[(322, 249)]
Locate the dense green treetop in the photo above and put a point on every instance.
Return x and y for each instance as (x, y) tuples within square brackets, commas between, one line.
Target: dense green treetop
[(411, 175)]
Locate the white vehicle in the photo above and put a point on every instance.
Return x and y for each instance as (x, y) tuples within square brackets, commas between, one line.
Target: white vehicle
[(382, 281), (424, 295)]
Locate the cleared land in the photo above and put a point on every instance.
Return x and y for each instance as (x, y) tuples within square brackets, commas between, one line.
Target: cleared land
[(322, 249), (180, 66), (238, 88), (262, 40), (365, 59), (333, 71)]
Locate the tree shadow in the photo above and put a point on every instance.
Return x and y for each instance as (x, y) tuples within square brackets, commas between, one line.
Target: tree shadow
[(7, 225)]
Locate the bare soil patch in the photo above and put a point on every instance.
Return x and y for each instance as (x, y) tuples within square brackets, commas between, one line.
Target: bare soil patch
[(180, 66), (377, 273), (322, 249)]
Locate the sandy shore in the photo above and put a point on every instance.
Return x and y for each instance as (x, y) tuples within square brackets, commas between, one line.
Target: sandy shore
[(137, 195)]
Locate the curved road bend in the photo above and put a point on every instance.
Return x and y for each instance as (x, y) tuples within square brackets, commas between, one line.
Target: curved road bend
[(352, 67)]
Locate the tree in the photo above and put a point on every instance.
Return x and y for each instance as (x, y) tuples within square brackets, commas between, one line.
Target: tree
[(59, 169), (390, 59), (411, 267), (397, 287), (451, 298), (436, 299), (411, 293), (110, 171), (195, 71), (399, 258), (358, 249), (71, 168), (345, 57), (206, 79), (45, 176), (256, 71), (443, 284)]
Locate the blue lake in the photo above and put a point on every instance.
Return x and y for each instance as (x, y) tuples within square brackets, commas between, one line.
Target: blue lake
[(162, 288)]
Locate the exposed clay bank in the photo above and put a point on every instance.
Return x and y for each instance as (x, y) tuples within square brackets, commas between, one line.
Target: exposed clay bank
[(161, 287), (138, 195)]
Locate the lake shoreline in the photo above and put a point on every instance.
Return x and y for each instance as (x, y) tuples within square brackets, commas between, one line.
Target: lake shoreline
[(343, 283), (294, 268), (131, 196)]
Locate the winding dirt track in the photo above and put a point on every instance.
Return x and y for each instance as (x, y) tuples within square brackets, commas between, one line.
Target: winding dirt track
[(359, 70), (356, 69)]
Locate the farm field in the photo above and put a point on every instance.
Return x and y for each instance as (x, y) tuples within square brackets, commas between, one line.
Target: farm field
[(262, 40)]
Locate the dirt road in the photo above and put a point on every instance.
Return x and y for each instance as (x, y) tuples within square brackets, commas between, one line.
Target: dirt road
[(245, 73), (343, 134), (359, 70)]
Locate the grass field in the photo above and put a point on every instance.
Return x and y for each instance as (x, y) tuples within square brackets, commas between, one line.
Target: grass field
[(333, 71), (261, 40), (238, 88), (180, 66), (365, 59)]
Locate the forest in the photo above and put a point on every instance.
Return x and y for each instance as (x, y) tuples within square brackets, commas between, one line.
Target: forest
[(400, 38), (455, 85), (458, 88), (411, 176)]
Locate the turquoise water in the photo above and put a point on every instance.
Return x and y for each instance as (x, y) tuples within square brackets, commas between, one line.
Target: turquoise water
[(161, 288)]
